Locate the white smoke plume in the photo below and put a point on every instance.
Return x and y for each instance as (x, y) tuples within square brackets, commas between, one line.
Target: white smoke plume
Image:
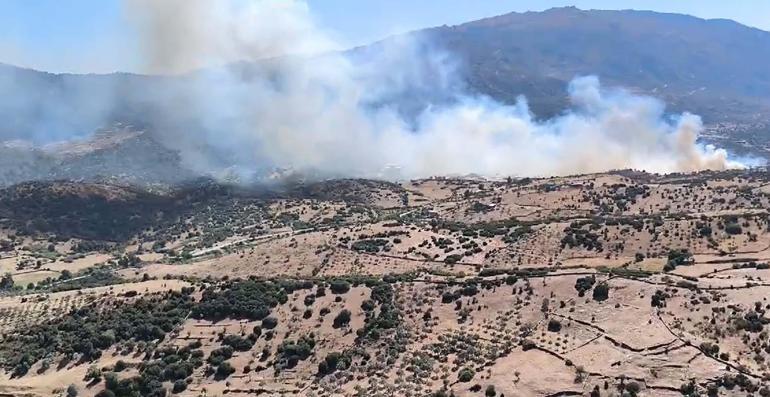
[(265, 88)]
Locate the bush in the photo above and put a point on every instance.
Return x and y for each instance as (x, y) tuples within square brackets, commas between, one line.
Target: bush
[(237, 342), (449, 297), (465, 375), (218, 356), (710, 349), (89, 330), (601, 292), (339, 287), (72, 391), (291, 352), (554, 325), (248, 299), (333, 362), (368, 305), (659, 299), (677, 258), (584, 284), (490, 392), (733, 229), (342, 319), (93, 374), (224, 370), (179, 386), (633, 388), (111, 381), (120, 365), (269, 322)]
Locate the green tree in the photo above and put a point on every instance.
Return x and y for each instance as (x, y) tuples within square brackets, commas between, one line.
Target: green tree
[(342, 319), (601, 292), (7, 281), (465, 375), (224, 370), (179, 386)]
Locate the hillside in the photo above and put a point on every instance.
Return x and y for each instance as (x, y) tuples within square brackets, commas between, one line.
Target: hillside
[(716, 68), (713, 67), (117, 154), (621, 283)]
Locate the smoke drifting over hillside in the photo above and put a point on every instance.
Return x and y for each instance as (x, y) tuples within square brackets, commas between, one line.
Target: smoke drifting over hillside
[(335, 113), (256, 84)]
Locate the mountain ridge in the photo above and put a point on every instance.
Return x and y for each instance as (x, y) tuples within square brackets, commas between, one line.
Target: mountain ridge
[(712, 67)]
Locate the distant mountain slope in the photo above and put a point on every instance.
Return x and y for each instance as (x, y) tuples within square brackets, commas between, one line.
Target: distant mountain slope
[(117, 154), (714, 67)]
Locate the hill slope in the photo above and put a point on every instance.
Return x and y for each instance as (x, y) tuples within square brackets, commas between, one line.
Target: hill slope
[(715, 68)]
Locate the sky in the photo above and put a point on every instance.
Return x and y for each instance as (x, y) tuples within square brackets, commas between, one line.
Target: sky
[(67, 35)]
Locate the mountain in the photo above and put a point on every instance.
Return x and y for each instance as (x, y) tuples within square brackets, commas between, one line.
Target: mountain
[(120, 154), (715, 68)]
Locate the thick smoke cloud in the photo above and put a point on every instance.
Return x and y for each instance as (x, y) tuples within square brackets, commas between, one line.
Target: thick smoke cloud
[(336, 114), (249, 86)]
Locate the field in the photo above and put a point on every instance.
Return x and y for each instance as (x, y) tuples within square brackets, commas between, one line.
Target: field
[(622, 283)]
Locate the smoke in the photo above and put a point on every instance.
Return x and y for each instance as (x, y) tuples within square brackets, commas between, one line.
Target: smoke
[(301, 106), (253, 85)]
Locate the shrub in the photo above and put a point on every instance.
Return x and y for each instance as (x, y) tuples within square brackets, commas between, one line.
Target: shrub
[(633, 388), (120, 365), (368, 305), (290, 352), (333, 362), (710, 349), (601, 292), (339, 287), (248, 299), (677, 258), (93, 374), (269, 322), (237, 342), (342, 319), (733, 229), (224, 370), (465, 375), (219, 355), (658, 299), (584, 284), (554, 325), (179, 386)]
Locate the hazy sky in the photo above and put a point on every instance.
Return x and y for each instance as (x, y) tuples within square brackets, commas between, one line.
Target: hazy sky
[(94, 36)]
